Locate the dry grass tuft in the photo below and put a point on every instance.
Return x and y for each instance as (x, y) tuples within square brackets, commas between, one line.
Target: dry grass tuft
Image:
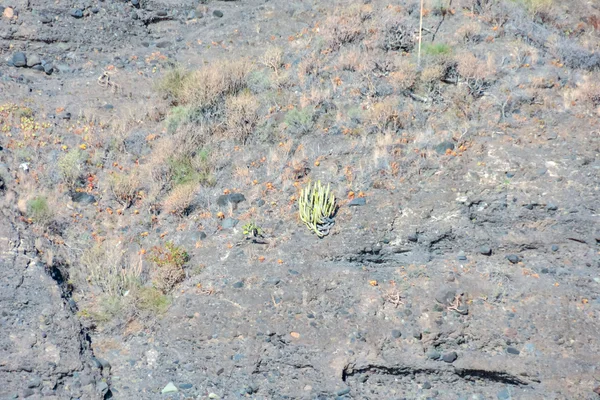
[(242, 115), (181, 199)]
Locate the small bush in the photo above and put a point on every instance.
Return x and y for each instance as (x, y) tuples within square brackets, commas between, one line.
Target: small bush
[(173, 83), (575, 56), (384, 116), (273, 58), (299, 122), (186, 169), (70, 167), (169, 261), (125, 188), (206, 87), (343, 30), (436, 49), (151, 300), (242, 116), (398, 36), (177, 115), (39, 211), (259, 81), (103, 267), (181, 198)]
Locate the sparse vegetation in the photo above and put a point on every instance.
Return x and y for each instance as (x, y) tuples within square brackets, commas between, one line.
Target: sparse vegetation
[(70, 167), (39, 211), (169, 261), (299, 121), (316, 207)]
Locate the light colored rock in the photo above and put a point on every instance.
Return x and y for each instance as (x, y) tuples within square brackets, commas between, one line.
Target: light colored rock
[(8, 13), (170, 388)]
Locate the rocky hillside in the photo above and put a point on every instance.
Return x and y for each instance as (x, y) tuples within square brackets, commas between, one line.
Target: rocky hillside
[(153, 157)]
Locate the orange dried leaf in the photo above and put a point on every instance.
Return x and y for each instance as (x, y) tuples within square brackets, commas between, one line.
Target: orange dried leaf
[(295, 335)]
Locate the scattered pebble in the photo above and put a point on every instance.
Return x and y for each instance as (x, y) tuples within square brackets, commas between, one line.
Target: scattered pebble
[(218, 13), (485, 250), (513, 258), (76, 13), (396, 333), (359, 201), (433, 355), (512, 350), (450, 357), (554, 247), (342, 392), (504, 394), (426, 385), (238, 285), (551, 207), (170, 388), (19, 59), (443, 147), (461, 256)]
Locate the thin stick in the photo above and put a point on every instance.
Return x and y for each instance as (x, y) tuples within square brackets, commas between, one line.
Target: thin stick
[(420, 35)]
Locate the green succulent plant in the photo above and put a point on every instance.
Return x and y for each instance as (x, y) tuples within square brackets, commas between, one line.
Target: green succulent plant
[(251, 229), (316, 207)]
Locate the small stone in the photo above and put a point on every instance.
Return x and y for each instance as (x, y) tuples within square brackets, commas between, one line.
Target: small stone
[(218, 13), (102, 388), (551, 207), (417, 335), (8, 13), (28, 393), (307, 388), (512, 350), (45, 19), (33, 60), (413, 238), (170, 388), (433, 355), (443, 147), (426, 385), (232, 198), (83, 198), (450, 357), (342, 392), (461, 256), (229, 223), (191, 15), (396, 333), (48, 69), (162, 13), (445, 296), (19, 59), (513, 258), (76, 13), (185, 386), (541, 171), (359, 201), (163, 44), (504, 394), (95, 10), (528, 206), (485, 250), (238, 285), (135, 3), (554, 247), (510, 175)]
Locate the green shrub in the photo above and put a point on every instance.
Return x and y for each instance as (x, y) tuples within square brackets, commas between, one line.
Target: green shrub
[(436, 49), (151, 300), (299, 122), (70, 166), (39, 211), (185, 170), (173, 83)]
